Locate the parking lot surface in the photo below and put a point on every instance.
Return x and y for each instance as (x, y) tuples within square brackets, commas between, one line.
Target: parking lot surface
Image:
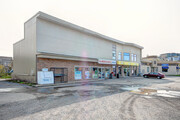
[(124, 98)]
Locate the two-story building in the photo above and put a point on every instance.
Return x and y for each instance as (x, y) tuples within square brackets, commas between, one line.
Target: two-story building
[(156, 64), (71, 51)]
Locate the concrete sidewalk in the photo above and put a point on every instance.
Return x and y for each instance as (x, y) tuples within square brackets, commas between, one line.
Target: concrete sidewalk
[(70, 83)]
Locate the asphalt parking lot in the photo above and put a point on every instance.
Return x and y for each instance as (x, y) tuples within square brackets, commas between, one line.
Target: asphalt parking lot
[(24, 102)]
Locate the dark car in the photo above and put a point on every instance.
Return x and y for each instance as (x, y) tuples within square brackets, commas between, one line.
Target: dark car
[(155, 75)]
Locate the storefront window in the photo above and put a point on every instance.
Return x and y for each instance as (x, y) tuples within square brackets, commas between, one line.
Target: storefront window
[(95, 73), (114, 69), (107, 72), (164, 69), (126, 56), (87, 73), (78, 73)]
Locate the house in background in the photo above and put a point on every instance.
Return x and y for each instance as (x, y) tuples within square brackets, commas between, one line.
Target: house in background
[(170, 56), (156, 64)]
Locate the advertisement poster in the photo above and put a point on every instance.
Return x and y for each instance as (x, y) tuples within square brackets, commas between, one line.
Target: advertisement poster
[(87, 75), (45, 77), (78, 75)]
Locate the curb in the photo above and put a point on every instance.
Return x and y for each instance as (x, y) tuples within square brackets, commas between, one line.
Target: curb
[(69, 84)]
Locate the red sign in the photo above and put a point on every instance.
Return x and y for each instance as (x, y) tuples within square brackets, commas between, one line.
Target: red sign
[(104, 61)]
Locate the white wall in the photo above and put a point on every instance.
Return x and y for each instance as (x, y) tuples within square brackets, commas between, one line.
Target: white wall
[(24, 55)]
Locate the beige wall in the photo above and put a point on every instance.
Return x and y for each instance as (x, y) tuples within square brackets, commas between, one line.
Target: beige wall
[(128, 49), (144, 69), (62, 40), (24, 55), (53, 38), (171, 70)]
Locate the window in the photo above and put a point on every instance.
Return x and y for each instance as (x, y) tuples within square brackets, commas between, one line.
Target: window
[(95, 73), (78, 73), (132, 57), (164, 69), (114, 52), (135, 58), (154, 62), (126, 56), (119, 56), (87, 73), (147, 69)]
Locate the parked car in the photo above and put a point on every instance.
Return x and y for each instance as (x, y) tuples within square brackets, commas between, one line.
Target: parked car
[(154, 74)]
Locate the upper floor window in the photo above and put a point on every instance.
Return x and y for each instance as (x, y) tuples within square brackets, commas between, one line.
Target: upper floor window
[(119, 56), (135, 57), (114, 52), (126, 56), (132, 57)]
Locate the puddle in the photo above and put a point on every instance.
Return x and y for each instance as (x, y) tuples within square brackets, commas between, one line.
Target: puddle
[(162, 93), (131, 88)]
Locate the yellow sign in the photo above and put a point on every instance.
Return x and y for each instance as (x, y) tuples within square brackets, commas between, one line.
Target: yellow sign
[(127, 63)]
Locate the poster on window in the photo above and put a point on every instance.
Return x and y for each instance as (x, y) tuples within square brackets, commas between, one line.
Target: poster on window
[(87, 75), (78, 75)]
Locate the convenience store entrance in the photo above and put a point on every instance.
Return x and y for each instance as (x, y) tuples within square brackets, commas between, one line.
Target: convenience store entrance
[(101, 73), (127, 71)]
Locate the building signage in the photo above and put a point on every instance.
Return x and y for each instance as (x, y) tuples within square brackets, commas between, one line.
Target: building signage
[(127, 63), (165, 66), (105, 61), (44, 69), (78, 75), (45, 77)]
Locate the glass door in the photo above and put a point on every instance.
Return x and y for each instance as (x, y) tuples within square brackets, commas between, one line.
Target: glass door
[(103, 73), (126, 71), (99, 73)]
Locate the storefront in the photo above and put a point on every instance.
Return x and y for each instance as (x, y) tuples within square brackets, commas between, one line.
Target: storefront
[(91, 72), (94, 72), (127, 68)]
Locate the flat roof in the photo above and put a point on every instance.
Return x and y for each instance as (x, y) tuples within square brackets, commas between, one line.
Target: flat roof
[(81, 29)]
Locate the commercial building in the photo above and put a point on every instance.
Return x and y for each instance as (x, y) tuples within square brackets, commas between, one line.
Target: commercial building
[(156, 64), (71, 52)]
